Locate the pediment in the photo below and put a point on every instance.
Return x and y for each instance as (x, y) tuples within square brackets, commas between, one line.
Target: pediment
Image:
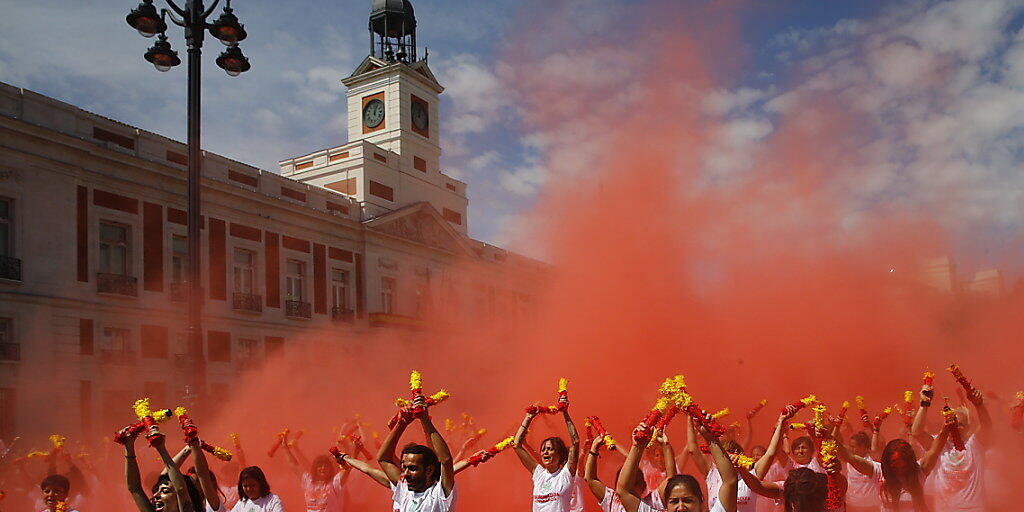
[(422, 224)]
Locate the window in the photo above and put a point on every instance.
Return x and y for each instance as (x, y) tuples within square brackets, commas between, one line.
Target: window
[(113, 249), (339, 287), (179, 259), (7, 409), (293, 281), (118, 340), (423, 299), (388, 288), (247, 349), (245, 271), (9, 350), (219, 346), (6, 227)]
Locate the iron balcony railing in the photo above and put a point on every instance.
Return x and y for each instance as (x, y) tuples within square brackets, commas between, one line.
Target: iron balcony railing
[(247, 302), (10, 268), (10, 352), (117, 284), (297, 309)]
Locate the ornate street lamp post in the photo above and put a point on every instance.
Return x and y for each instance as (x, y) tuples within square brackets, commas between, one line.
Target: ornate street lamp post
[(193, 18)]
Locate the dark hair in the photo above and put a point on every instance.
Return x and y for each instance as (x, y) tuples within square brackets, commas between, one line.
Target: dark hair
[(321, 459), (255, 473), (560, 448), (194, 494), (688, 481), (213, 479), (429, 457), (805, 490), (861, 438), (895, 482), (59, 481), (801, 440)]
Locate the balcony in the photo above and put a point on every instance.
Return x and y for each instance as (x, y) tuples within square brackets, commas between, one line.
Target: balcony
[(247, 302), (118, 356), (297, 309), (339, 314), (10, 352), (10, 268), (117, 284)]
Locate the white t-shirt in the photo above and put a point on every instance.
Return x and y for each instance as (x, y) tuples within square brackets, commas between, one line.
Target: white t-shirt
[(430, 500), (959, 477), (229, 496), (652, 475), (268, 503), (611, 501), (746, 499), (652, 503), (576, 499), (863, 490), (322, 496), (552, 492)]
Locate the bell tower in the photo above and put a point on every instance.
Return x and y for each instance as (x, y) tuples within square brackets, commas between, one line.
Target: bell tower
[(392, 157), (392, 94)]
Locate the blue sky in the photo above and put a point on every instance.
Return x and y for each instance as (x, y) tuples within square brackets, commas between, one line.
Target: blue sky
[(292, 102)]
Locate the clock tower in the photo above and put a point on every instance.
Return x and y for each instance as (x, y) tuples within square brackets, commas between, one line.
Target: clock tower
[(393, 155)]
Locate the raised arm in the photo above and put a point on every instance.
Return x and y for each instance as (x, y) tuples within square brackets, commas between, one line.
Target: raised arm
[(691, 446), (624, 485), (134, 479), (669, 455), (574, 442), (525, 457), (177, 480), (862, 465), (597, 487), (727, 492), (918, 430), (927, 462), (444, 454), (984, 418), (376, 474), (386, 457), (210, 491), (760, 487), (763, 464), (293, 462)]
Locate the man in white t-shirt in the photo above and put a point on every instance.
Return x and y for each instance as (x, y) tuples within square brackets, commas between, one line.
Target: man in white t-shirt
[(423, 479), (959, 476)]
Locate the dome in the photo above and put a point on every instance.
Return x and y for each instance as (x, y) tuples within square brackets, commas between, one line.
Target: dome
[(395, 17)]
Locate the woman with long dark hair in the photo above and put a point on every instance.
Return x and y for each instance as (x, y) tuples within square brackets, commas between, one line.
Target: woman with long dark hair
[(900, 473), (254, 493), (554, 473), (172, 492)]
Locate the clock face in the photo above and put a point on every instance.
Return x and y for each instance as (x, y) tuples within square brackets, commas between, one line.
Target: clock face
[(373, 113), (420, 118)]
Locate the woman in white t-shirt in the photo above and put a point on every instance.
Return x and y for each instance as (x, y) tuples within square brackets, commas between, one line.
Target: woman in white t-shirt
[(900, 476), (321, 484), (254, 493), (554, 472), (680, 492), (608, 498)]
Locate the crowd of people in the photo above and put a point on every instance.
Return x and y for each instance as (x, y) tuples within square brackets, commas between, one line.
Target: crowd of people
[(829, 462)]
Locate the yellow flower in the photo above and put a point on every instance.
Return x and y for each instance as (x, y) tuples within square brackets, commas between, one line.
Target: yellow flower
[(180, 411), (415, 380), (810, 399), (505, 443), (141, 408), (860, 402), (721, 414), (58, 440), (563, 385)]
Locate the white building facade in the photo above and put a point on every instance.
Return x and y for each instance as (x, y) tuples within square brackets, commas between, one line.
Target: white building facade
[(364, 236)]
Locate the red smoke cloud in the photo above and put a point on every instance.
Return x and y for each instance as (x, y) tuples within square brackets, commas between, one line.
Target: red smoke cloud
[(753, 286)]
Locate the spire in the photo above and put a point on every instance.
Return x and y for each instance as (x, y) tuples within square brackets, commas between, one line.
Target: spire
[(393, 31)]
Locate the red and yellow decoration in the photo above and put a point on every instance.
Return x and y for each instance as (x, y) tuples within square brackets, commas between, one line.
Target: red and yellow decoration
[(485, 455), (279, 439), (972, 393), (799, 405), (757, 408), (952, 425), (594, 421)]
